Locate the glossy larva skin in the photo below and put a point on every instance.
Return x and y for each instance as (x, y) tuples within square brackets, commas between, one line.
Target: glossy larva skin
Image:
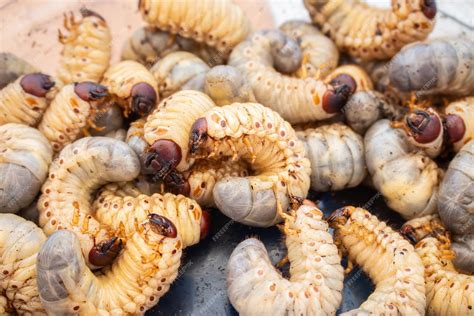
[(12, 67), (388, 259), (370, 33), (140, 276), (25, 156), (440, 66), (407, 178), (255, 287), (216, 23), (20, 242), (336, 154), (464, 108), (135, 139), (86, 48), (74, 175)]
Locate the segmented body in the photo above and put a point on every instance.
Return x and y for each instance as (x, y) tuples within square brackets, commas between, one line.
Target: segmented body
[(336, 154), (25, 156), (86, 48), (20, 243), (389, 260), (372, 33), (12, 67), (255, 287)]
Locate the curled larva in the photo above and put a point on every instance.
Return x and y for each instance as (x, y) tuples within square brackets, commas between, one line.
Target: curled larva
[(25, 100), (86, 48), (12, 67), (71, 112), (25, 156), (277, 158), (389, 260), (133, 85), (137, 280), (441, 66), (255, 287), (217, 23), (371, 33), (336, 154), (406, 177), (20, 242), (179, 71), (65, 202)]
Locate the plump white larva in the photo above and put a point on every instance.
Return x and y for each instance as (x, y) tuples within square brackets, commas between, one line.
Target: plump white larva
[(71, 112), (25, 155), (20, 242), (336, 154), (12, 67), (255, 287), (371, 33), (407, 178), (65, 202), (25, 100), (388, 259), (217, 23), (259, 136), (86, 48)]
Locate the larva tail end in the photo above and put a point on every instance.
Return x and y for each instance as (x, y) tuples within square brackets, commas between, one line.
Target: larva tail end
[(87, 13), (144, 98), (455, 127), (428, 7), (105, 252), (163, 226), (198, 135), (205, 224), (90, 91), (163, 157), (37, 84), (424, 126)]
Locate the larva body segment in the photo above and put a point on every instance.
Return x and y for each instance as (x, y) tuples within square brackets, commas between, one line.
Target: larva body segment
[(407, 178), (371, 33), (315, 285), (71, 112), (259, 136), (140, 276), (25, 156), (74, 175), (336, 154), (217, 23), (12, 67), (389, 260), (25, 100), (86, 48), (440, 66), (21, 241)]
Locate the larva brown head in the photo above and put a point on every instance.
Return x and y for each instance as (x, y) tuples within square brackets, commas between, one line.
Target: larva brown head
[(163, 226), (90, 91), (428, 7), (424, 126), (455, 127), (105, 252), (198, 135), (409, 233), (175, 183), (339, 216), (87, 13), (334, 100), (164, 155), (36, 84), (144, 98), (205, 224)]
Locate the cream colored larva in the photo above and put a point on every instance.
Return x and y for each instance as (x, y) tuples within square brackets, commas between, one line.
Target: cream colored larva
[(389, 260), (255, 287), (86, 48)]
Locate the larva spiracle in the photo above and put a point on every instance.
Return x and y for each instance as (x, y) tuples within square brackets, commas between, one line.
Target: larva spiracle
[(389, 260), (371, 33), (12, 67), (25, 156), (25, 100), (20, 242), (86, 48), (255, 287), (71, 112), (259, 136)]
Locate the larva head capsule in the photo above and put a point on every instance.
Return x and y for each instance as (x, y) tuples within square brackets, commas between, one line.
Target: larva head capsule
[(37, 84), (334, 100), (90, 91), (424, 126), (428, 7), (176, 183), (105, 252), (143, 98), (164, 155), (198, 135), (340, 216), (455, 127), (162, 226)]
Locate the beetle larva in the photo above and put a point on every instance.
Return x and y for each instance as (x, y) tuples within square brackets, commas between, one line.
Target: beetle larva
[(336, 155), (407, 178), (87, 48), (70, 113), (441, 66), (217, 23), (25, 100), (316, 281), (20, 242), (448, 292), (12, 67), (135, 283), (372, 33), (389, 260), (179, 71), (133, 85), (259, 136), (74, 175), (25, 155)]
